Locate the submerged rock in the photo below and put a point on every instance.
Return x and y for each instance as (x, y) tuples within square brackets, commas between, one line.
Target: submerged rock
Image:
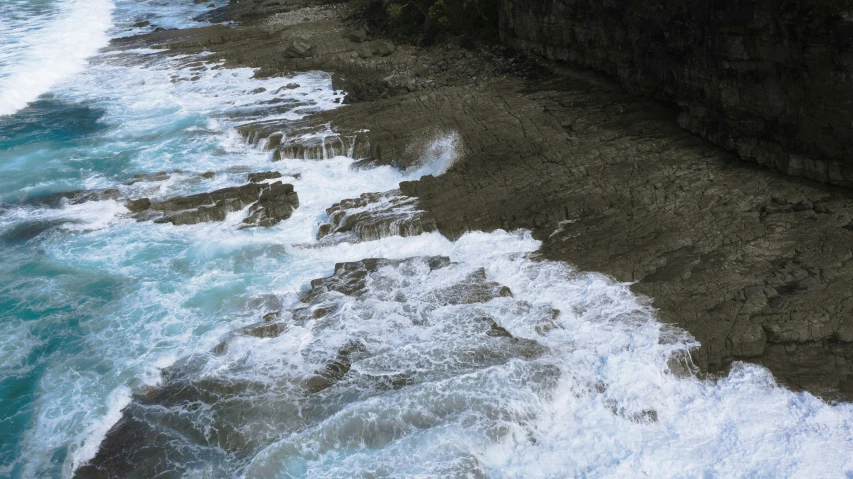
[(23, 232), (142, 178), (57, 200), (376, 332), (350, 278)]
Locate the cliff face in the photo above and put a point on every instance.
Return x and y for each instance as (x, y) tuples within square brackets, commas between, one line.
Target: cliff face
[(769, 79)]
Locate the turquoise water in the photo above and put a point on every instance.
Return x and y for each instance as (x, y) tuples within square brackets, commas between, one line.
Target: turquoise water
[(93, 304)]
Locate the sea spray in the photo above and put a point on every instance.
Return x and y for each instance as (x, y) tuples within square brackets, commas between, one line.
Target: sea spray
[(35, 57), (492, 363)]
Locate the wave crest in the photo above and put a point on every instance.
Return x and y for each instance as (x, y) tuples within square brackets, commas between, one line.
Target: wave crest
[(39, 57)]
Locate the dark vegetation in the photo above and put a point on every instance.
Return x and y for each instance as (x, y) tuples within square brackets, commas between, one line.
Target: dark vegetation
[(424, 21)]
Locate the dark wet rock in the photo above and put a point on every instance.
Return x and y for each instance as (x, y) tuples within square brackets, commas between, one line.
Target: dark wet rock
[(146, 431), (26, 231), (364, 164), (475, 288), (495, 329), (647, 416), (141, 24), (766, 79), (262, 176), (350, 278), (274, 140), (264, 330), (142, 178), (304, 141), (376, 215), (138, 206), (334, 370), (275, 204), (270, 204), (203, 214), (249, 10), (208, 175)]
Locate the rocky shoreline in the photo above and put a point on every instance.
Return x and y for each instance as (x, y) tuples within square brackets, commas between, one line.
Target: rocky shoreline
[(754, 264), (757, 266)]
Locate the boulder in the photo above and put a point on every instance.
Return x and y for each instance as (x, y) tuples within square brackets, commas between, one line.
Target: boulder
[(383, 48), (298, 48), (275, 204), (138, 206), (358, 35)]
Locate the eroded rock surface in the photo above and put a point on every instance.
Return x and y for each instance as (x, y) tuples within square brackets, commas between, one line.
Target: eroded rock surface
[(755, 264), (270, 204), (372, 216), (767, 79)]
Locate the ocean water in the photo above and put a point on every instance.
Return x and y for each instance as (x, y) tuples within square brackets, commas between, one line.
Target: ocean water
[(569, 376)]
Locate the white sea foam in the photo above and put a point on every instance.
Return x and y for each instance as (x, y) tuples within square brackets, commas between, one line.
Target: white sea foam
[(98, 428), (616, 410), (615, 363), (34, 59), (87, 216), (619, 409)]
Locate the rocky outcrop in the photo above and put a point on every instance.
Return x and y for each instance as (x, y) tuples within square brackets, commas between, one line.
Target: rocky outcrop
[(372, 216), (270, 204), (767, 79), (275, 204), (611, 183), (756, 265)]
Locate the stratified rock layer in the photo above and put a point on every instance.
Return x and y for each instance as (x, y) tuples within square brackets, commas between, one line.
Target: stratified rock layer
[(372, 216), (270, 204), (755, 264), (768, 79)]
